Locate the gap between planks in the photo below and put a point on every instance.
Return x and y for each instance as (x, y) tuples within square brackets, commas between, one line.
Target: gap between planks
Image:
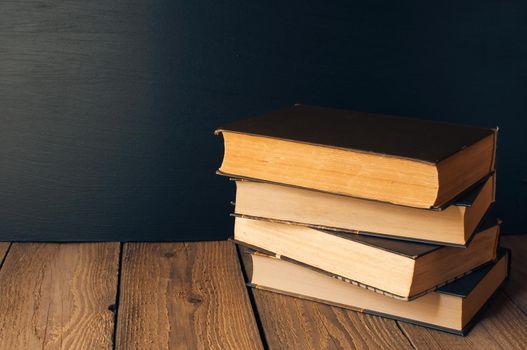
[(293, 323), (51, 272), (184, 295), (56, 296), (168, 295), (4, 248)]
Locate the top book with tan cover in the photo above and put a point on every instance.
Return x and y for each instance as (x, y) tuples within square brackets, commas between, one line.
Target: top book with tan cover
[(405, 161)]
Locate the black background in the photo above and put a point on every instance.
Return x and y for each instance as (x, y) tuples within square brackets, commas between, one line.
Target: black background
[(108, 107)]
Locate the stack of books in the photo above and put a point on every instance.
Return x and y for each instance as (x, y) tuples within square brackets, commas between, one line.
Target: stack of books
[(384, 215)]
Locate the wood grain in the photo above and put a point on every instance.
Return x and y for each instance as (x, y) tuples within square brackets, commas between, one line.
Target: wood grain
[(502, 326), (516, 287), (292, 323), (56, 296), (184, 296), (4, 246), (191, 295)]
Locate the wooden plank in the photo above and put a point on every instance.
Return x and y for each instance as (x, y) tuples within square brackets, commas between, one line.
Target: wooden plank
[(184, 295), (516, 287), (3, 250), (502, 326), (56, 296), (292, 323)]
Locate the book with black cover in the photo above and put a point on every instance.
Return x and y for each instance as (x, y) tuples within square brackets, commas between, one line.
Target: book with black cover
[(453, 308), (454, 225), (399, 269), (399, 160)]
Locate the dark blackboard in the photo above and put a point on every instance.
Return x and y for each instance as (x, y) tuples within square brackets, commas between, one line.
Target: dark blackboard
[(107, 107)]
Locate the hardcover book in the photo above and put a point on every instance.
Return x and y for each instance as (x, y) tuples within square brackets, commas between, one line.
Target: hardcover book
[(452, 308), (405, 161), (403, 270), (454, 225)]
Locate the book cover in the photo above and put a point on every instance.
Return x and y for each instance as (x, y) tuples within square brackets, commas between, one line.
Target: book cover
[(460, 288), (407, 138)]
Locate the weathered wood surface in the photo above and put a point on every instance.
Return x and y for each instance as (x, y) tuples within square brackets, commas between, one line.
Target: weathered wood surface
[(516, 288), (184, 296), (192, 295), (291, 323), (57, 296)]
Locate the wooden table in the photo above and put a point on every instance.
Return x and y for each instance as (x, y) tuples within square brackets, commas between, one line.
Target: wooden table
[(192, 296)]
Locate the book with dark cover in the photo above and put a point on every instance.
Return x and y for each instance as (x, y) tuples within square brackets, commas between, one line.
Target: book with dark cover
[(405, 161), (407, 138), (453, 226), (464, 199), (460, 288), (406, 249), (409, 245)]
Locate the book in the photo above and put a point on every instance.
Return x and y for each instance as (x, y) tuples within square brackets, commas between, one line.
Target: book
[(454, 225), (404, 161), (452, 308), (403, 270)]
